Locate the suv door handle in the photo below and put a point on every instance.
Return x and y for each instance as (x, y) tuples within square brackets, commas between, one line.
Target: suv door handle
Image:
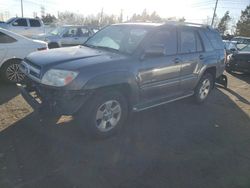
[(177, 60), (201, 57)]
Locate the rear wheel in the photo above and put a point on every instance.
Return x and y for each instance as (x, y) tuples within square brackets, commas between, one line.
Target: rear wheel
[(53, 45), (106, 113), (204, 88), (11, 73)]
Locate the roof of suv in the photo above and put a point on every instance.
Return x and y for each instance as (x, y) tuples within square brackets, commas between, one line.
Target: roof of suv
[(175, 23)]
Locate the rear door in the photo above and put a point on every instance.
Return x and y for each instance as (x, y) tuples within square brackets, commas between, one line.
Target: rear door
[(83, 34), (35, 27), (5, 43), (160, 76), (190, 56), (69, 38), (20, 26)]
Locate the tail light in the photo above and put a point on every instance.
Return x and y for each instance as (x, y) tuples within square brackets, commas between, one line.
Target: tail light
[(44, 48)]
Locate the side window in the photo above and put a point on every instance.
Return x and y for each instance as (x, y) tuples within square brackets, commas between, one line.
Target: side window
[(215, 39), (198, 44), (166, 38), (84, 32), (34, 23), (187, 41), (6, 39), (71, 32), (207, 44), (20, 22)]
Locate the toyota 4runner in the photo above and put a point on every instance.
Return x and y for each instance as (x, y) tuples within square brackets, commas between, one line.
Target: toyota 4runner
[(122, 68)]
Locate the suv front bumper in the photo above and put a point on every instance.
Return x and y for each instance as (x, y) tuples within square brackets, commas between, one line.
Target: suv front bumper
[(52, 100)]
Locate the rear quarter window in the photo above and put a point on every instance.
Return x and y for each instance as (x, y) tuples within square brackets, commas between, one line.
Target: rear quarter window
[(34, 23), (6, 38), (215, 39)]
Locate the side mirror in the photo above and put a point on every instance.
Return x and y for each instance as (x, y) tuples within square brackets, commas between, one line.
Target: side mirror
[(155, 51)]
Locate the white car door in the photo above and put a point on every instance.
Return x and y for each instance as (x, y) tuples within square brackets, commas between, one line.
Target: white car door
[(69, 38), (35, 27), (20, 26), (84, 35), (5, 42)]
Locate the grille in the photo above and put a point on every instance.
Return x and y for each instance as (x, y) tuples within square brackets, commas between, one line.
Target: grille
[(30, 69)]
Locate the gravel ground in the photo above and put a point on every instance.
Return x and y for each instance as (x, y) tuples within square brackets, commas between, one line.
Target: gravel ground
[(179, 145)]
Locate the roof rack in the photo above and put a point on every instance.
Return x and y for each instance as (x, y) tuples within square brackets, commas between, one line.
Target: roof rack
[(188, 23)]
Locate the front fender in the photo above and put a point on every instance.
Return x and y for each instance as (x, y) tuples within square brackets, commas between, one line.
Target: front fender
[(115, 79)]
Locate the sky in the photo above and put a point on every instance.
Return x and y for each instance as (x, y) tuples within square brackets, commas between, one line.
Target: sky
[(193, 10)]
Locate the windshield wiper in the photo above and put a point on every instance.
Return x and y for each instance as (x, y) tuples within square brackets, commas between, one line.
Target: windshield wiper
[(107, 48), (103, 47)]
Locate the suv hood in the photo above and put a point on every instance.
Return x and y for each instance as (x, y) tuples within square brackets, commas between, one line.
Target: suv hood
[(78, 56)]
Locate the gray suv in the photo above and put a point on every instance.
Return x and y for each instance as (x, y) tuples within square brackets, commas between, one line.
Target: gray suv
[(123, 68)]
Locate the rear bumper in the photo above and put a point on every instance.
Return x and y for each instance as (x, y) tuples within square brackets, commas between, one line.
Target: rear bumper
[(52, 101)]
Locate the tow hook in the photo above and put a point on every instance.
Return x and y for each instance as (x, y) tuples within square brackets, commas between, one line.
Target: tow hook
[(222, 80)]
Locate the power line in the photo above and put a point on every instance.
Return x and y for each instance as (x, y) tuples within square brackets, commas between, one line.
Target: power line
[(214, 12)]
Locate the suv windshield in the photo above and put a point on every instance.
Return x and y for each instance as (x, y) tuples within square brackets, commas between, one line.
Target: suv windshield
[(10, 20), (122, 38)]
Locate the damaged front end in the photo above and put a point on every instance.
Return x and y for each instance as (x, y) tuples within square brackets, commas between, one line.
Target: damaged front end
[(51, 100)]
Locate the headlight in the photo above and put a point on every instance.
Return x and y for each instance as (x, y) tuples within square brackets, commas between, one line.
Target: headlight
[(58, 78)]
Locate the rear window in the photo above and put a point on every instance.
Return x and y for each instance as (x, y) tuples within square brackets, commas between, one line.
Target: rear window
[(34, 23), (188, 41), (215, 39), (6, 39)]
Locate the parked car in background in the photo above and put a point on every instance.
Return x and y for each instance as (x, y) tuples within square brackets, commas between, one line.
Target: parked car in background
[(239, 61), (230, 46), (66, 36), (241, 40), (13, 48), (24, 26), (122, 68)]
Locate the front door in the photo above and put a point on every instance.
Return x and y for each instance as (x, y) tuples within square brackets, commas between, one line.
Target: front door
[(20, 26), (159, 76)]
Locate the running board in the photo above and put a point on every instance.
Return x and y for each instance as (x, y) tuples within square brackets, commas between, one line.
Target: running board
[(161, 102)]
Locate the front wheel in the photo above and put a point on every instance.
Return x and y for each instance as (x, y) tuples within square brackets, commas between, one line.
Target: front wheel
[(106, 113), (204, 88)]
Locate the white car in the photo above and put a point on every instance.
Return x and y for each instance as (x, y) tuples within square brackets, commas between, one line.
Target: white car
[(66, 36), (14, 48), (24, 26)]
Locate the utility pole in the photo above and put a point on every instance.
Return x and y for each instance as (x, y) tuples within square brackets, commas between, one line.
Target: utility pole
[(214, 13), (22, 7)]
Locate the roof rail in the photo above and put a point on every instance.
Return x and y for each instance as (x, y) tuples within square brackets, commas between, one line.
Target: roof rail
[(188, 23)]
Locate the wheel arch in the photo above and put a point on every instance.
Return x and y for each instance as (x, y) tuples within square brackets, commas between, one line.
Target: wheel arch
[(13, 59), (122, 81)]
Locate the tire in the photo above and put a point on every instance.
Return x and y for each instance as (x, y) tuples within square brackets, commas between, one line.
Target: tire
[(11, 73), (203, 88), (105, 114), (53, 45)]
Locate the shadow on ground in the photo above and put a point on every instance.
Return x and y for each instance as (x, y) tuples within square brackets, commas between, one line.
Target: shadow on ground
[(244, 77), (7, 92), (179, 145)]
